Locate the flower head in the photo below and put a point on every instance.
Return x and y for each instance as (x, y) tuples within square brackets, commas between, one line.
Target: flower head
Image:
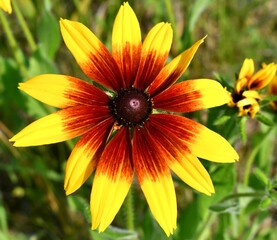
[(245, 95), (6, 6), (121, 134), (272, 90)]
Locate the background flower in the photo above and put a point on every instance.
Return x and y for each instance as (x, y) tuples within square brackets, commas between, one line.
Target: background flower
[(6, 6)]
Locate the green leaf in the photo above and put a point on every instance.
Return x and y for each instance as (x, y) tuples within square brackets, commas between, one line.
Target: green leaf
[(114, 233), (268, 99), (224, 180), (226, 206), (49, 34), (264, 119), (189, 219), (261, 176), (265, 203), (3, 218), (197, 8), (40, 64), (221, 120), (242, 129)]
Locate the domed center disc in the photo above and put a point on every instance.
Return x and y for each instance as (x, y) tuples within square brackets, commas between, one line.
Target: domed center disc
[(131, 107)]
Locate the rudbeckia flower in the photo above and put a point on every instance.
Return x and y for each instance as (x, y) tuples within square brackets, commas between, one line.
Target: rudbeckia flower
[(246, 96), (6, 6), (132, 124), (272, 90)]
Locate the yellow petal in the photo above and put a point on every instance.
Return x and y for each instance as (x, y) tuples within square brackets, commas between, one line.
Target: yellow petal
[(154, 53), (92, 56), (126, 43), (247, 69), (178, 158), (251, 94), (63, 91), (200, 140), (6, 6), (192, 95), (60, 126), (155, 180), (263, 77), (192, 172), (112, 180), (173, 70), (160, 195), (85, 155), (240, 84)]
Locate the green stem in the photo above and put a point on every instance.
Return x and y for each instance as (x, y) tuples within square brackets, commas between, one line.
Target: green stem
[(130, 211), (172, 20), (251, 158), (19, 58), (239, 195), (24, 26), (205, 226)]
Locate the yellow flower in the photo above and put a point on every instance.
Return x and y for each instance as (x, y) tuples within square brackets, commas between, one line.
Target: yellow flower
[(272, 90), (6, 6), (245, 96), (144, 142)]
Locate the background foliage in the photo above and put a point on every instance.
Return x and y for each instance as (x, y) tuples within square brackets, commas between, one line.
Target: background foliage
[(33, 204)]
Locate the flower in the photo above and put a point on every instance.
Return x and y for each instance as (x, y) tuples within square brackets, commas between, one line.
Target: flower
[(245, 95), (6, 6), (272, 90), (121, 134)]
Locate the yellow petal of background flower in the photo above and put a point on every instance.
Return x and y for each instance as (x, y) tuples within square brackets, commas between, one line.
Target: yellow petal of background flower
[(251, 94), (91, 54), (112, 180), (63, 91), (126, 43), (179, 159), (154, 53), (85, 155), (247, 69), (200, 140), (173, 70), (263, 77), (60, 126), (192, 95), (6, 6), (155, 180)]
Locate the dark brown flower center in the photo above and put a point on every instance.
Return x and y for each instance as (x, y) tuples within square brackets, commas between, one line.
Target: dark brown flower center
[(131, 107)]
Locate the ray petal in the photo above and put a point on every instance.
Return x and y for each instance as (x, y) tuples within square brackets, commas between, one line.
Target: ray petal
[(6, 6), (191, 95), (112, 180), (180, 160), (126, 43), (60, 126), (85, 155), (154, 53), (263, 77), (247, 69), (63, 91), (155, 180), (200, 140), (173, 70), (91, 54)]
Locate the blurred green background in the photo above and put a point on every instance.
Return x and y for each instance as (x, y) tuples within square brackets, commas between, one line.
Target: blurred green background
[(33, 204)]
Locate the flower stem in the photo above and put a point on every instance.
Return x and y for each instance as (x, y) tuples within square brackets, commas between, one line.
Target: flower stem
[(172, 20), (19, 58), (251, 158), (24, 26), (130, 211)]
